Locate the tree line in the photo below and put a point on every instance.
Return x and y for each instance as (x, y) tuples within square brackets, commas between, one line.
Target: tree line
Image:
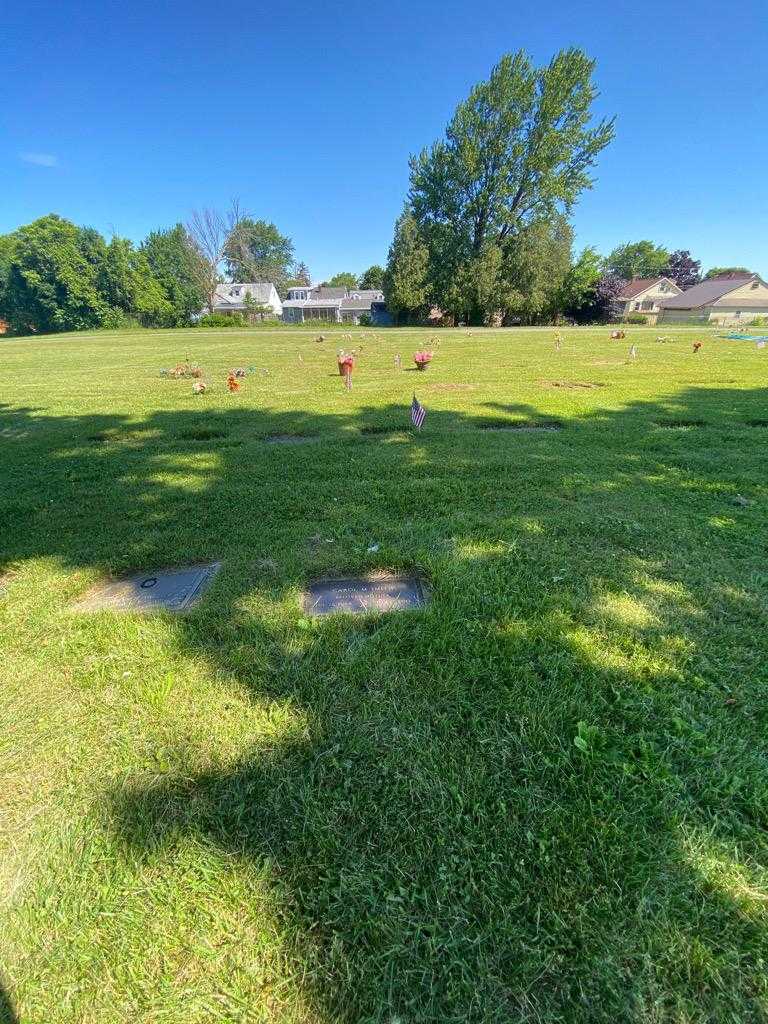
[(59, 276), (485, 236)]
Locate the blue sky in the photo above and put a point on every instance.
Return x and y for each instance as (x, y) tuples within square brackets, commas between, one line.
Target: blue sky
[(126, 116)]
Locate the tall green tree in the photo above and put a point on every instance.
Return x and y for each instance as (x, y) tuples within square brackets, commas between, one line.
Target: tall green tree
[(372, 278), (637, 259), (170, 261), (6, 260), (55, 277), (345, 279), (720, 271), (406, 285), (256, 251), (536, 265), (519, 149), (577, 294)]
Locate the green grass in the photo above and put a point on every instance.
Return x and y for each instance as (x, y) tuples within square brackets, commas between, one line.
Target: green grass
[(542, 799)]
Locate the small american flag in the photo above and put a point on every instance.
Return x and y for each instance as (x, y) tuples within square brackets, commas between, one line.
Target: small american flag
[(633, 352), (418, 413), (398, 361)]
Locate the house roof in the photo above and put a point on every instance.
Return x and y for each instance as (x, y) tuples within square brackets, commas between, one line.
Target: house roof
[(362, 298), (329, 293), (707, 292), (638, 285), (259, 292)]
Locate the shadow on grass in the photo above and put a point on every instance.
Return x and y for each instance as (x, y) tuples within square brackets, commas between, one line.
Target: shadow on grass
[(543, 798), (7, 1011)]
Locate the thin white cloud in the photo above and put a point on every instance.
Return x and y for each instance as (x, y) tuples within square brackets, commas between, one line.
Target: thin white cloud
[(40, 159)]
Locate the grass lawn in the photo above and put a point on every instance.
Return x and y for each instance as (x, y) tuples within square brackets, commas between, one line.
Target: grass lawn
[(543, 798)]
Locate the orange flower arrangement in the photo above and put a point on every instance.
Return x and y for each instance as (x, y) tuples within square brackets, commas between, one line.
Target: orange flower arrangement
[(233, 383)]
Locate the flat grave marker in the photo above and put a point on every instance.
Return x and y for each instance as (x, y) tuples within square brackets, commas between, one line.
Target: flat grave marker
[(174, 590), (358, 594)]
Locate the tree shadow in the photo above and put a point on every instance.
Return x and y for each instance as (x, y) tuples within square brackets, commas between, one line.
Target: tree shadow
[(7, 1010), (439, 845)]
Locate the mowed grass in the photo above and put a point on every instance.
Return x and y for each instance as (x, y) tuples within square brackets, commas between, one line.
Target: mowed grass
[(543, 798)]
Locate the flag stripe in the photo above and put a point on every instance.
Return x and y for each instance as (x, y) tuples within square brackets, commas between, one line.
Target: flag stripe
[(418, 413)]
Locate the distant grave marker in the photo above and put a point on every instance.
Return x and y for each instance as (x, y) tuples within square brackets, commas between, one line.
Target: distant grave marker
[(174, 590), (358, 594)]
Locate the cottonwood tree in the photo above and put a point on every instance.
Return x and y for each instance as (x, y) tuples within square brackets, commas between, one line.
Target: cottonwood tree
[(256, 251), (637, 259), (518, 150)]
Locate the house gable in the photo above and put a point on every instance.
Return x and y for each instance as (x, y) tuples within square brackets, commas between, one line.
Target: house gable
[(750, 293), (647, 288)]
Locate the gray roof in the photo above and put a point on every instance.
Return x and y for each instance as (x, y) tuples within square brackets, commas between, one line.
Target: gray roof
[(361, 298), (329, 293), (707, 292), (260, 293)]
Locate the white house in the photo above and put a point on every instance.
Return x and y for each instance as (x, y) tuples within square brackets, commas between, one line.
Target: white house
[(237, 297), (339, 305)]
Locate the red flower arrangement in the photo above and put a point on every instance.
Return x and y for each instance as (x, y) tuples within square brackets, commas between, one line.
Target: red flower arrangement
[(233, 383), (422, 359)]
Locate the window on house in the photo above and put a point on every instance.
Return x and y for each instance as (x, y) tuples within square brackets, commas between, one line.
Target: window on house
[(647, 304), (636, 305)]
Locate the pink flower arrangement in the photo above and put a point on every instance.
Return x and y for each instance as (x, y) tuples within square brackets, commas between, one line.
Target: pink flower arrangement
[(422, 359), (346, 363)]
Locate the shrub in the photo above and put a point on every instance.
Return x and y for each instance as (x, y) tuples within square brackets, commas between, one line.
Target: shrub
[(635, 318), (221, 320), (759, 321), (364, 319)]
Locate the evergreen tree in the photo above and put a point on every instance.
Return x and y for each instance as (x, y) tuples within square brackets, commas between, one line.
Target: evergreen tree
[(405, 280)]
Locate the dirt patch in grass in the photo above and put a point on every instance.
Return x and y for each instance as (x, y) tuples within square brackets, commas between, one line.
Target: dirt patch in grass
[(572, 385), (117, 436)]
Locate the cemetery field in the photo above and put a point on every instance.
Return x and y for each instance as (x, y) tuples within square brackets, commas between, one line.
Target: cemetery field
[(542, 797)]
